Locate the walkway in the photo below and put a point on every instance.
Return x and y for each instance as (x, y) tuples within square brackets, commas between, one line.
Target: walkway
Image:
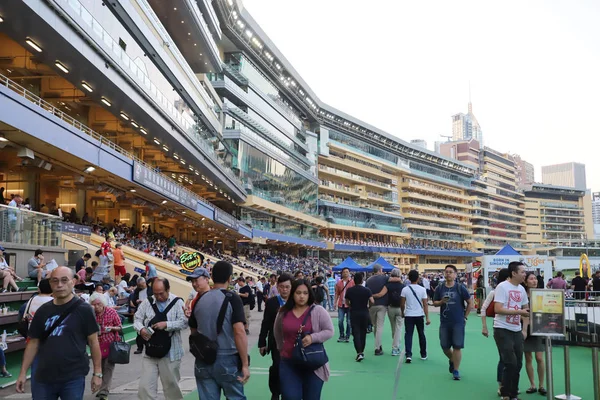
[(374, 377)]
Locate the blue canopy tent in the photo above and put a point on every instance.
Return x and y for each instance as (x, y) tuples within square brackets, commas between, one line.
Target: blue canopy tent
[(349, 263), (507, 250), (387, 267)]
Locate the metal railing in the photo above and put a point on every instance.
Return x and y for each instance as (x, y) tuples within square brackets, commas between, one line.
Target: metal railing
[(21, 226), (15, 87)]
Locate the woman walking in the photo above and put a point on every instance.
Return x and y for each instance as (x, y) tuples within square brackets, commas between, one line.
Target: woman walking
[(533, 345), (110, 326), (301, 384)]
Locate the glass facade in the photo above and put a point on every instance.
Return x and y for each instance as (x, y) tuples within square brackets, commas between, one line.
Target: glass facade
[(360, 219), (270, 179), (365, 147), (267, 222)]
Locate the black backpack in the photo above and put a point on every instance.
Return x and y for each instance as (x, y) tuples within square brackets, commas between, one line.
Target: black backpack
[(159, 343), (394, 297), (319, 294)]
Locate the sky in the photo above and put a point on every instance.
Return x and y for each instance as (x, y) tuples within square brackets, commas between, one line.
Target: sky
[(405, 67)]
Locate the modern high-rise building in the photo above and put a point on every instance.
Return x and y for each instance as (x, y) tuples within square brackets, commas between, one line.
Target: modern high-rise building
[(466, 127), (596, 208), (525, 174), (570, 174), (419, 142)]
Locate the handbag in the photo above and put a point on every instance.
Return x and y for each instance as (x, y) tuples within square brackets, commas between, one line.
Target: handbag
[(104, 349), (311, 357), (119, 352)]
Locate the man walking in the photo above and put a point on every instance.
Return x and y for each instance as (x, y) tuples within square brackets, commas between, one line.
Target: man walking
[(413, 304), (343, 310), (284, 285), (510, 303), (558, 282), (245, 293), (451, 297), (58, 335), (331, 287), (378, 311), (159, 320), (230, 371), (359, 298), (260, 287)]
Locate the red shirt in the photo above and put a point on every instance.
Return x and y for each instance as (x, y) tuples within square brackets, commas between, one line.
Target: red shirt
[(108, 318), (291, 325), (105, 248), (340, 290)]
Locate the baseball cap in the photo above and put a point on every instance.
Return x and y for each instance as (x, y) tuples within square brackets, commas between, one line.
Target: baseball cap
[(198, 272), (2, 248)]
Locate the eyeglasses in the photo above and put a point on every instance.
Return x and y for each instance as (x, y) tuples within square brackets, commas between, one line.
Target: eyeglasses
[(63, 280)]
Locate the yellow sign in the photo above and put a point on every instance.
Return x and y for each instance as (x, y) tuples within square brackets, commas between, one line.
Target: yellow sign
[(190, 261), (547, 302), (584, 266), (547, 312)]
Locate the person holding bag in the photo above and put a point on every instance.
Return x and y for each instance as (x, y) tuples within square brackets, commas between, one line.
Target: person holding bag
[(301, 328), (110, 326)]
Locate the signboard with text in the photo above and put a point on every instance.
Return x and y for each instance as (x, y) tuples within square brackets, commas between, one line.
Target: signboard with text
[(76, 229), (540, 265), (226, 219), (547, 312), (162, 185)]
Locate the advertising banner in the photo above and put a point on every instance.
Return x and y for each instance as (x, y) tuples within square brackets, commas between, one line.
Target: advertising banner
[(190, 261), (541, 265), (547, 312), (76, 229), (163, 186)]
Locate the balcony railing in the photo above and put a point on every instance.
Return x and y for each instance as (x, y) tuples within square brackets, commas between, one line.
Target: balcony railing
[(350, 175), (19, 226), (561, 205), (38, 101)]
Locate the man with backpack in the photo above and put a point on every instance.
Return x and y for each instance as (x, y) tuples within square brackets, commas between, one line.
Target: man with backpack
[(219, 340), (321, 292), (451, 297), (159, 320)]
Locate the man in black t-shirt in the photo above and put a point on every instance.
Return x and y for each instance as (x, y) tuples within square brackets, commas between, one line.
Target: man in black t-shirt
[(579, 285), (82, 262), (359, 298), (595, 283), (245, 293), (60, 346)]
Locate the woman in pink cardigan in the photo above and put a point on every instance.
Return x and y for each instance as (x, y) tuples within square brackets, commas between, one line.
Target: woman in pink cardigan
[(299, 384)]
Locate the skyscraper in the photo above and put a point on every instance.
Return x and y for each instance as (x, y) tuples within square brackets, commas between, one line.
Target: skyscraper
[(596, 208), (570, 174), (525, 171), (466, 127)]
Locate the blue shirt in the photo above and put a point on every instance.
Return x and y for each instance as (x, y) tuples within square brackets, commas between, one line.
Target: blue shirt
[(151, 271), (453, 312), (331, 286)]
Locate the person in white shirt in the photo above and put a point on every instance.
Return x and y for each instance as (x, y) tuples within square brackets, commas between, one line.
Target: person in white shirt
[(259, 292), (427, 286), (413, 304), (510, 304)]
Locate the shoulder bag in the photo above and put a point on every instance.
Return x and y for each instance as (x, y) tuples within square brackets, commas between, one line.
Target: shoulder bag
[(119, 351), (23, 324), (159, 344), (311, 357), (201, 346), (416, 297)]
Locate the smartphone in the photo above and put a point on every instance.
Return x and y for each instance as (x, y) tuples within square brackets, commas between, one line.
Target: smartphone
[(150, 330)]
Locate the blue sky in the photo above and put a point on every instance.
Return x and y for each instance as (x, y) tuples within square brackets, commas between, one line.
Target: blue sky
[(405, 67)]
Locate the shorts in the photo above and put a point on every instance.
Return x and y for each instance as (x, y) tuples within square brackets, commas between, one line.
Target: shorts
[(34, 274), (533, 344), (452, 336), (120, 270)]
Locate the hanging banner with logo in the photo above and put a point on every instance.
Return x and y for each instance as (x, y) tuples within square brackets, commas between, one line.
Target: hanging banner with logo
[(163, 186), (547, 312), (190, 261)]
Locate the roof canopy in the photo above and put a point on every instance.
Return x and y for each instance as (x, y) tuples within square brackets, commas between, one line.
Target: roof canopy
[(350, 264), (508, 251), (387, 267)]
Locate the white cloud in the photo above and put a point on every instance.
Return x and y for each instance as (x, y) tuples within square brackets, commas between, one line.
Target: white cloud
[(404, 66)]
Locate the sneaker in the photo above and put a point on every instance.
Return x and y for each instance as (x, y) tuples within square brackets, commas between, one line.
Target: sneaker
[(456, 375), (379, 352), (408, 360), (395, 352), (451, 367), (424, 357), (347, 339), (360, 357), (138, 351), (341, 339)]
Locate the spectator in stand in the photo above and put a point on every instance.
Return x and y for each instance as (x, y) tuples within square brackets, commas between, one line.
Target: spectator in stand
[(82, 262), (172, 241), (167, 367), (110, 326), (123, 286), (36, 265), (105, 249), (150, 270), (7, 274), (3, 371), (558, 282), (119, 262)]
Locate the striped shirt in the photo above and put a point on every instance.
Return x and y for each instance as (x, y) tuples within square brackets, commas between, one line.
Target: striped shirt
[(331, 286), (176, 322)]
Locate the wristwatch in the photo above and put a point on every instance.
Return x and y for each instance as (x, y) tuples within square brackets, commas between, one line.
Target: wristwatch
[(97, 374)]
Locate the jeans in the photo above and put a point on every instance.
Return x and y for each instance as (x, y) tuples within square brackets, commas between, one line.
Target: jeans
[(259, 300), (510, 347), (360, 320), (2, 359), (331, 302), (222, 375), (410, 323), (274, 380), (299, 384), (71, 390), (344, 312)]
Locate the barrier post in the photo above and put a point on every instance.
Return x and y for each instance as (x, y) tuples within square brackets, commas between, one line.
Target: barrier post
[(549, 376), (568, 395), (595, 368)]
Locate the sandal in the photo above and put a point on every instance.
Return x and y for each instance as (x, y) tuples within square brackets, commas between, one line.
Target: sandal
[(542, 391), (531, 390)]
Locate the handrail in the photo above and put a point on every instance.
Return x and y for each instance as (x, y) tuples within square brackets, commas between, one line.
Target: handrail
[(15, 87)]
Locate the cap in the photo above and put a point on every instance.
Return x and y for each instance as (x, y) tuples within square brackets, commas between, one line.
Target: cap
[(2, 248), (198, 272)]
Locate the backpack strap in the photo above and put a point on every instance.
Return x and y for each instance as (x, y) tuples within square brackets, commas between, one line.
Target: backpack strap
[(59, 321), (166, 311), (416, 297), (223, 311)]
